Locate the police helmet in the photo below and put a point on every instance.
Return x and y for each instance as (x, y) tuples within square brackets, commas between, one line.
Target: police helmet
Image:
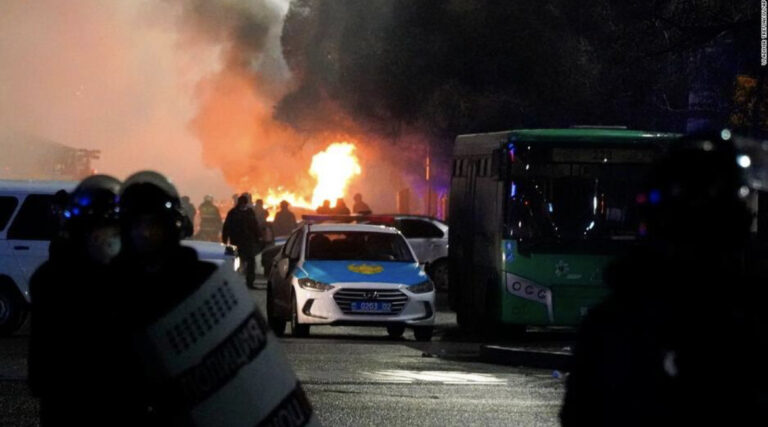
[(698, 193), (150, 193), (93, 201)]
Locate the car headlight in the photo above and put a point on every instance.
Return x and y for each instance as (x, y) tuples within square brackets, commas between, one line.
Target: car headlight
[(422, 288), (314, 285)]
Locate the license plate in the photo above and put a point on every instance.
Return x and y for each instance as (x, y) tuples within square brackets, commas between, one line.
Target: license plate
[(371, 307)]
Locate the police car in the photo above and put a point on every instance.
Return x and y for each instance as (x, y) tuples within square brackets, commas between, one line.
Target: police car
[(349, 274)]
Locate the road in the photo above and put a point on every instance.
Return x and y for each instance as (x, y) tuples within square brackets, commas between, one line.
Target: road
[(357, 376)]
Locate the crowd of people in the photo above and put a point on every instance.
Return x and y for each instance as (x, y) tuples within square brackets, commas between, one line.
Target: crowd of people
[(359, 208), (247, 227)]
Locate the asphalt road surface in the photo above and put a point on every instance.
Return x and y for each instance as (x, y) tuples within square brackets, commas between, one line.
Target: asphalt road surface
[(357, 376)]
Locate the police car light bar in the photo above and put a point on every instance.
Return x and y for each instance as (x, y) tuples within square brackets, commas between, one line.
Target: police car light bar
[(349, 219)]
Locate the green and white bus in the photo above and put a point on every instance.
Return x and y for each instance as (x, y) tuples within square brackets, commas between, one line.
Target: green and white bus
[(536, 215)]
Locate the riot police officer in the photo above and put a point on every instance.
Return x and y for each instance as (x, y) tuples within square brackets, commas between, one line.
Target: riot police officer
[(156, 273), (196, 333), (71, 346), (677, 340), (210, 220)]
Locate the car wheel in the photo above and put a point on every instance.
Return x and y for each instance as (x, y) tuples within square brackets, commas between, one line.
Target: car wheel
[(438, 272), (277, 324), (13, 312), (423, 333), (395, 331), (297, 329)]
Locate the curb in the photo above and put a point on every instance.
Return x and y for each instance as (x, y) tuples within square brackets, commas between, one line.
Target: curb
[(518, 356)]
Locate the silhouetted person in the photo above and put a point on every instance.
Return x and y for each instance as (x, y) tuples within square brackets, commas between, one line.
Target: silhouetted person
[(210, 221), (261, 216), (155, 274), (360, 207), (242, 230), (676, 342), (341, 207), (188, 208), (73, 353), (325, 208), (284, 221), (58, 205)]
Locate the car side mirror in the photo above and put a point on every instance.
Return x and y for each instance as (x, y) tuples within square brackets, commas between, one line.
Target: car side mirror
[(283, 266)]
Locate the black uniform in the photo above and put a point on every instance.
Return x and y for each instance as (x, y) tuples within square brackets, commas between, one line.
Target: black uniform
[(77, 358), (683, 358), (152, 294), (210, 222), (284, 223), (77, 354), (676, 343), (242, 230)]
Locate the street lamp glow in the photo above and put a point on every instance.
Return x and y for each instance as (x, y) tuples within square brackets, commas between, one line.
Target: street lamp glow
[(744, 161)]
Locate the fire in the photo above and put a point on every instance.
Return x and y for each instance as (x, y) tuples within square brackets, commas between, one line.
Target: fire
[(275, 196), (333, 169)]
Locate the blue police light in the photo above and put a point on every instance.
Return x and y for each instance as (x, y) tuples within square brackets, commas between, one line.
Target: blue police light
[(654, 196), (513, 190), (67, 214), (76, 211), (83, 201)]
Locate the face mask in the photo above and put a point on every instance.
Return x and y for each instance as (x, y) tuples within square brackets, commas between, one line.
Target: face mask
[(104, 244)]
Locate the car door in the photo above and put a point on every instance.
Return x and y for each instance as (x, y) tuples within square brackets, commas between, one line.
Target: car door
[(425, 238), (280, 275), (30, 232)]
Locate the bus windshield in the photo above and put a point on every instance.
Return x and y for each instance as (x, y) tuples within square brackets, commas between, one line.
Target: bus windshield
[(599, 206)]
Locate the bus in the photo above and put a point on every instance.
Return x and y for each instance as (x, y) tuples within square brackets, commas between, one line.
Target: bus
[(535, 217)]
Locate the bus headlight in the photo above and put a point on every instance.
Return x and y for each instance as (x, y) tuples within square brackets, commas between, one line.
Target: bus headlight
[(422, 287), (314, 285)]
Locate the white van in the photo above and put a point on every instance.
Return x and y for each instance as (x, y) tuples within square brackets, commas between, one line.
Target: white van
[(27, 224)]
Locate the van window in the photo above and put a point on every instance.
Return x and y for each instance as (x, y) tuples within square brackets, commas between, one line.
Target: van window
[(7, 206), (35, 220)]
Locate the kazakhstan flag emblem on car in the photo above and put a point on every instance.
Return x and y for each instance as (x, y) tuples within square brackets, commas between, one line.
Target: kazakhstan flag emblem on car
[(365, 268)]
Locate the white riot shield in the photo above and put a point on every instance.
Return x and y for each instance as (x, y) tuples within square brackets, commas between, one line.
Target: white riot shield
[(217, 364)]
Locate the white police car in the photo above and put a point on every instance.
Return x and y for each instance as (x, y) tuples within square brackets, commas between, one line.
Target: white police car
[(349, 274)]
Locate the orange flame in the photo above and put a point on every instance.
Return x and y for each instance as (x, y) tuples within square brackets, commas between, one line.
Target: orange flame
[(333, 169)]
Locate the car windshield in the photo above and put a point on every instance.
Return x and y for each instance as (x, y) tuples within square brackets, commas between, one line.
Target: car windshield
[(356, 245)]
